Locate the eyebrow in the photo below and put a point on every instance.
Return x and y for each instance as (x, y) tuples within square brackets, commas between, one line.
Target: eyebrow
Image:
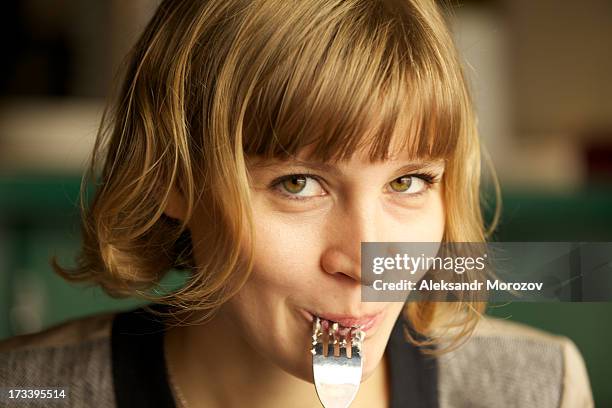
[(331, 169)]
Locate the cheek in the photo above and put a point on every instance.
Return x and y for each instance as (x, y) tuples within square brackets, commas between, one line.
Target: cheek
[(285, 263), (423, 224), (286, 252), (431, 224), (285, 266)]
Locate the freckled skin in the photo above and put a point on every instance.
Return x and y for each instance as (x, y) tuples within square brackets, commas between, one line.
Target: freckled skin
[(307, 256)]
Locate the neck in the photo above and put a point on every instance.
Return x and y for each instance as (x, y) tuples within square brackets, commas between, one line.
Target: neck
[(213, 366)]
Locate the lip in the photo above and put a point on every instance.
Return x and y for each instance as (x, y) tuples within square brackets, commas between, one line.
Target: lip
[(367, 323)]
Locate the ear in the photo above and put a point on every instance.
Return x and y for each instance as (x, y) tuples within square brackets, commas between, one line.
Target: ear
[(176, 205)]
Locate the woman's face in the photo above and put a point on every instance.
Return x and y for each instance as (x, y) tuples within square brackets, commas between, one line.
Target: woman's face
[(309, 224)]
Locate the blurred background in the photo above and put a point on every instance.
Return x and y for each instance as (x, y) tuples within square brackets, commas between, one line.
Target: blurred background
[(540, 73)]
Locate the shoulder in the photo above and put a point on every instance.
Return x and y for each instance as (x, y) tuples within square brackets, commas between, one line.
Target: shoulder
[(71, 333), (519, 365), (75, 355)]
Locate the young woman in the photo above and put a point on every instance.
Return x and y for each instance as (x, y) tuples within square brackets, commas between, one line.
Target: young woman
[(254, 145)]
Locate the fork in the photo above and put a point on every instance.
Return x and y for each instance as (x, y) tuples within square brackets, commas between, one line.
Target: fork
[(337, 375)]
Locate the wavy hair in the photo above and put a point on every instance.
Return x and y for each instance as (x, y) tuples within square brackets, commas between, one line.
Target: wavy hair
[(211, 83)]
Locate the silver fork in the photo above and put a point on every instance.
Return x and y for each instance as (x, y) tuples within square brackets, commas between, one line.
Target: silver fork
[(336, 378)]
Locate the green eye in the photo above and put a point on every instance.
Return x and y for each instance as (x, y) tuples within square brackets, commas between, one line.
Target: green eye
[(294, 184), (413, 184), (298, 186), (401, 184)]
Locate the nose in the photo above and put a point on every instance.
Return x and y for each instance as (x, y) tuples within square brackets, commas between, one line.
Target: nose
[(349, 226)]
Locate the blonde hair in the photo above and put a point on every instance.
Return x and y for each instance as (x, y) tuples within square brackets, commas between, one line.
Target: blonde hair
[(211, 83)]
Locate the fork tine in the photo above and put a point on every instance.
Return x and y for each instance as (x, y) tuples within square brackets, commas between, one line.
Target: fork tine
[(336, 378)]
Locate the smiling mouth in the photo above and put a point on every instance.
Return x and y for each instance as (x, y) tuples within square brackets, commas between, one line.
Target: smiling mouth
[(365, 323)]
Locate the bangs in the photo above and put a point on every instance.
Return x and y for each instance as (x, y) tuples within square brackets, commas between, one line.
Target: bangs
[(366, 77)]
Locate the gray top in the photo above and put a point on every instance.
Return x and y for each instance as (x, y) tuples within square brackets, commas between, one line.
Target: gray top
[(504, 364)]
